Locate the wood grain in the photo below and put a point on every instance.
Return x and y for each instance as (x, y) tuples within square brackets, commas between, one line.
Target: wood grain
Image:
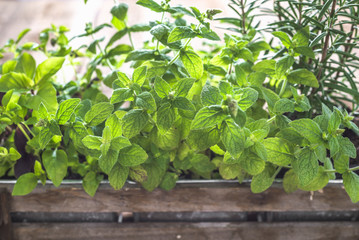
[(190, 231), (5, 218), (183, 198)]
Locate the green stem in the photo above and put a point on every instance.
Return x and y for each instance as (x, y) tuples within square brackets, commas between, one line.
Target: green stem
[(230, 68), (350, 169), (284, 86), (27, 127), (158, 42), (103, 54), (271, 119), (131, 41), (276, 172), (354, 169), (24, 132)]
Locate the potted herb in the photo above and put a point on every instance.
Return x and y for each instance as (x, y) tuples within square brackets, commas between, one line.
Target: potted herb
[(232, 111)]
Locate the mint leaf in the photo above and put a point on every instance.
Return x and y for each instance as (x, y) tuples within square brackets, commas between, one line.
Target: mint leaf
[(139, 75), (251, 163), (118, 176), (351, 185), (133, 122), (266, 66), (121, 94), (66, 109), (279, 151), (166, 116), (162, 88), (151, 5), (169, 181), (183, 87), (193, 63), (184, 104), (202, 164), (303, 76), (55, 163), (305, 166), (246, 97), (98, 113), (319, 182), (283, 105), (283, 65), (208, 117), (202, 139), (284, 38), (233, 138), (132, 156), (146, 101), (25, 184), (290, 181), (211, 96), (264, 180), (308, 129), (91, 182), (92, 142), (26, 64), (181, 32)]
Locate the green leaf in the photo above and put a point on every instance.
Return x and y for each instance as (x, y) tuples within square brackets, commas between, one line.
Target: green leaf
[(240, 75), (55, 163), (92, 142), (290, 181), (119, 11), (283, 65), (303, 76), (121, 94), (211, 96), (183, 103), (138, 174), (208, 117), (151, 5), (108, 158), (308, 129), (132, 156), (267, 66), (245, 97), (47, 69), (91, 182), (193, 63), (146, 101), (26, 64), (183, 87), (169, 181), (251, 163), (98, 113), (16, 81), (284, 38), (142, 54), (139, 75), (319, 182), (305, 166), (284, 105), (120, 142), (66, 109), (179, 33), (230, 171), (162, 88), (334, 121), (279, 151), (347, 147), (351, 185), (25, 184), (306, 51), (133, 122), (201, 140), (166, 116), (225, 88), (44, 137), (118, 176), (264, 180), (115, 126), (301, 38), (202, 164), (233, 138), (46, 95)]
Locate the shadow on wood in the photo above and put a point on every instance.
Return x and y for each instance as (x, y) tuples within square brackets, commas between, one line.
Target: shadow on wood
[(5, 218)]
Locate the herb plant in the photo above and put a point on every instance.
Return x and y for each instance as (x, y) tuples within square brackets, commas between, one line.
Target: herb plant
[(224, 112)]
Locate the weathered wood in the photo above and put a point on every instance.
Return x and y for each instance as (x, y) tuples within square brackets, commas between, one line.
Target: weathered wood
[(198, 231), (5, 218), (183, 198)]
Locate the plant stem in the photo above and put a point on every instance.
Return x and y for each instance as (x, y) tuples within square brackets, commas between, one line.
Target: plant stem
[(158, 41), (103, 54), (131, 41), (230, 68), (24, 132), (271, 119), (326, 41), (354, 168), (243, 18), (27, 127), (276, 172)]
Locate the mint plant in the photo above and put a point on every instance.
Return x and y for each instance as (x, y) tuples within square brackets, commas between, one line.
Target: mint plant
[(228, 112)]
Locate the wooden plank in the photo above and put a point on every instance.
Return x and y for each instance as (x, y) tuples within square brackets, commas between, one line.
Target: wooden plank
[(198, 231), (183, 198), (5, 218)]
